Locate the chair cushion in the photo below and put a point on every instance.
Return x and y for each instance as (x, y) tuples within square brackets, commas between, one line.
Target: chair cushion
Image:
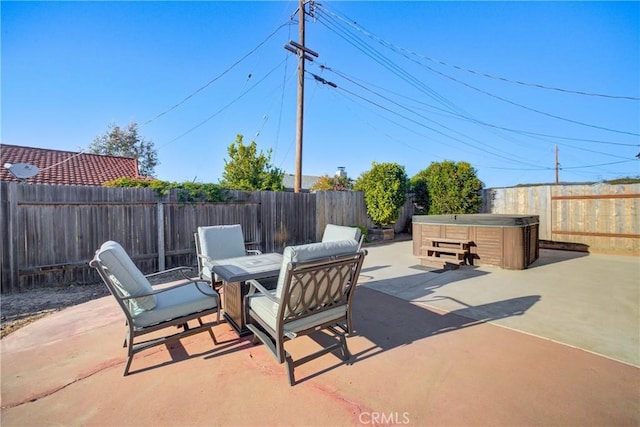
[(311, 252), (334, 232), (219, 242), (267, 310), (128, 278), (177, 302)]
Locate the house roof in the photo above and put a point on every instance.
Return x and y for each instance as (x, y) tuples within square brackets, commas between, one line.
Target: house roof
[(288, 180), (66, 167)]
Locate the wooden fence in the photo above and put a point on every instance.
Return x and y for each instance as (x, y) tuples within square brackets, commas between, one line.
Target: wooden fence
[(50, 232), (601, 217)]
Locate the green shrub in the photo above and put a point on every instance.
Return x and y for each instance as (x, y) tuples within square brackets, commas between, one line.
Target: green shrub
[(186, 191), (448, 188), (385, 191)]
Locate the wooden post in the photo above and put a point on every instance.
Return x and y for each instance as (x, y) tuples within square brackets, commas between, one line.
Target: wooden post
[(557, 166), (12, 278), (300, 116), (161, 264)]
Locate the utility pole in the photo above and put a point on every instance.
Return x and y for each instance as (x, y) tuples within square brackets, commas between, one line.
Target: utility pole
[(304, 54), (300, 115), (557, 166)]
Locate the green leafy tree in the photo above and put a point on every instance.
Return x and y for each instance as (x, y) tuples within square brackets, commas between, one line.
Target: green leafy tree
[(420, 192), (127, 143), (385, 191), (332, 183), (249, 170), (448, 188)]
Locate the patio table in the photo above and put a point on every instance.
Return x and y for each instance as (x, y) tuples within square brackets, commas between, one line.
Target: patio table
[(234, 273)]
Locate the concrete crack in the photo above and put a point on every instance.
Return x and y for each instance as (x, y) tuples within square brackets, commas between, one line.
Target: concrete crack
[(48, 393)]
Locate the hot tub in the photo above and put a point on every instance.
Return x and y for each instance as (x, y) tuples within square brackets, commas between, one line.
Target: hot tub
[(505, 241)]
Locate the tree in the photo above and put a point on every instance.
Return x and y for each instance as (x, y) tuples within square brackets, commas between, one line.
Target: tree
[(247, 170), (420, 191), (448, 188), (127, 143), (385, 191), (332, 183)]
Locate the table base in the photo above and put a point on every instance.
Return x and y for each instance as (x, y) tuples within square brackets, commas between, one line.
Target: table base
[(234, 294)]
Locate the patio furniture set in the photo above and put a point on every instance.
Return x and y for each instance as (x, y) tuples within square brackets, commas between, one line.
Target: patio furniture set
[(276, 297)]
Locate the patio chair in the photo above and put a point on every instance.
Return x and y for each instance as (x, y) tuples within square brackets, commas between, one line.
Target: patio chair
[(334, 233), (149, 310), (314, 292), (219, 242)]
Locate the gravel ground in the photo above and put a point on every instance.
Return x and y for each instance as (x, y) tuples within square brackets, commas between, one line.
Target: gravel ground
[(20, 309)]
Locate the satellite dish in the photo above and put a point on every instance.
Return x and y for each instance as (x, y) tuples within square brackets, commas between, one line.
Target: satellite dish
[(22, 171)]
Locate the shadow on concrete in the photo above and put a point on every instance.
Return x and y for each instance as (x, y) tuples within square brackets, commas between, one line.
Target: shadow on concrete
[(424, 283), (491, 311), (389, 322), (565, 246), (374, 268), (552, 256), (178, 353)]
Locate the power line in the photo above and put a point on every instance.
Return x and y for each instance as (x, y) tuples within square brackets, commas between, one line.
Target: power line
[(395, 49), (598, 165), (578, 122), (225, 106), (419, 115), (324, 81), (484, 150), (561, 168), (64, 161), (483, 123), (468, 70), (387, 63), (217, 77), (284, 81), (536, 85), (380, 131), (539, 168), (458, 112)]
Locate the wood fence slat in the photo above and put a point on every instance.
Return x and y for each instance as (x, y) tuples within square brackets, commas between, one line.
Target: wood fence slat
[(51, 232), (603, 217)]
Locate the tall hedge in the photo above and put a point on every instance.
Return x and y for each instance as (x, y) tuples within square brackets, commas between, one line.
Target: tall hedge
[(448, 188), (385, 191)]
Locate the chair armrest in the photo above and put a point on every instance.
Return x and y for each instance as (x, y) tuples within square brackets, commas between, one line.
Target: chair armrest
[(181, 269), (254, 285), (203, 257), (208, 292)]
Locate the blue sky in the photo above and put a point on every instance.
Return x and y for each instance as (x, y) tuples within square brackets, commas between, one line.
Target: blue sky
[(496, 84)]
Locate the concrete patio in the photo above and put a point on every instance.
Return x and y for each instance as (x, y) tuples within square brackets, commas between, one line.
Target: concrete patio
[(556, 344)]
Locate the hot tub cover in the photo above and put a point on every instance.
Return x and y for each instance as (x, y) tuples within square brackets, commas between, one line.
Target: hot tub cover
[(492, 220)]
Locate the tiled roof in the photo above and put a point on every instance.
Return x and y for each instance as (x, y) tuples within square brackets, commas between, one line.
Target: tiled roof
[(66, 167)]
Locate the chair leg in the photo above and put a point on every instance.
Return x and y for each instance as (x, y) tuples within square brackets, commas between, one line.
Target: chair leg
[(341, 334), (129, 342), (129, 356), (346, 355), (290, 366), (126, 336), (126, 368), (213, 337)]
